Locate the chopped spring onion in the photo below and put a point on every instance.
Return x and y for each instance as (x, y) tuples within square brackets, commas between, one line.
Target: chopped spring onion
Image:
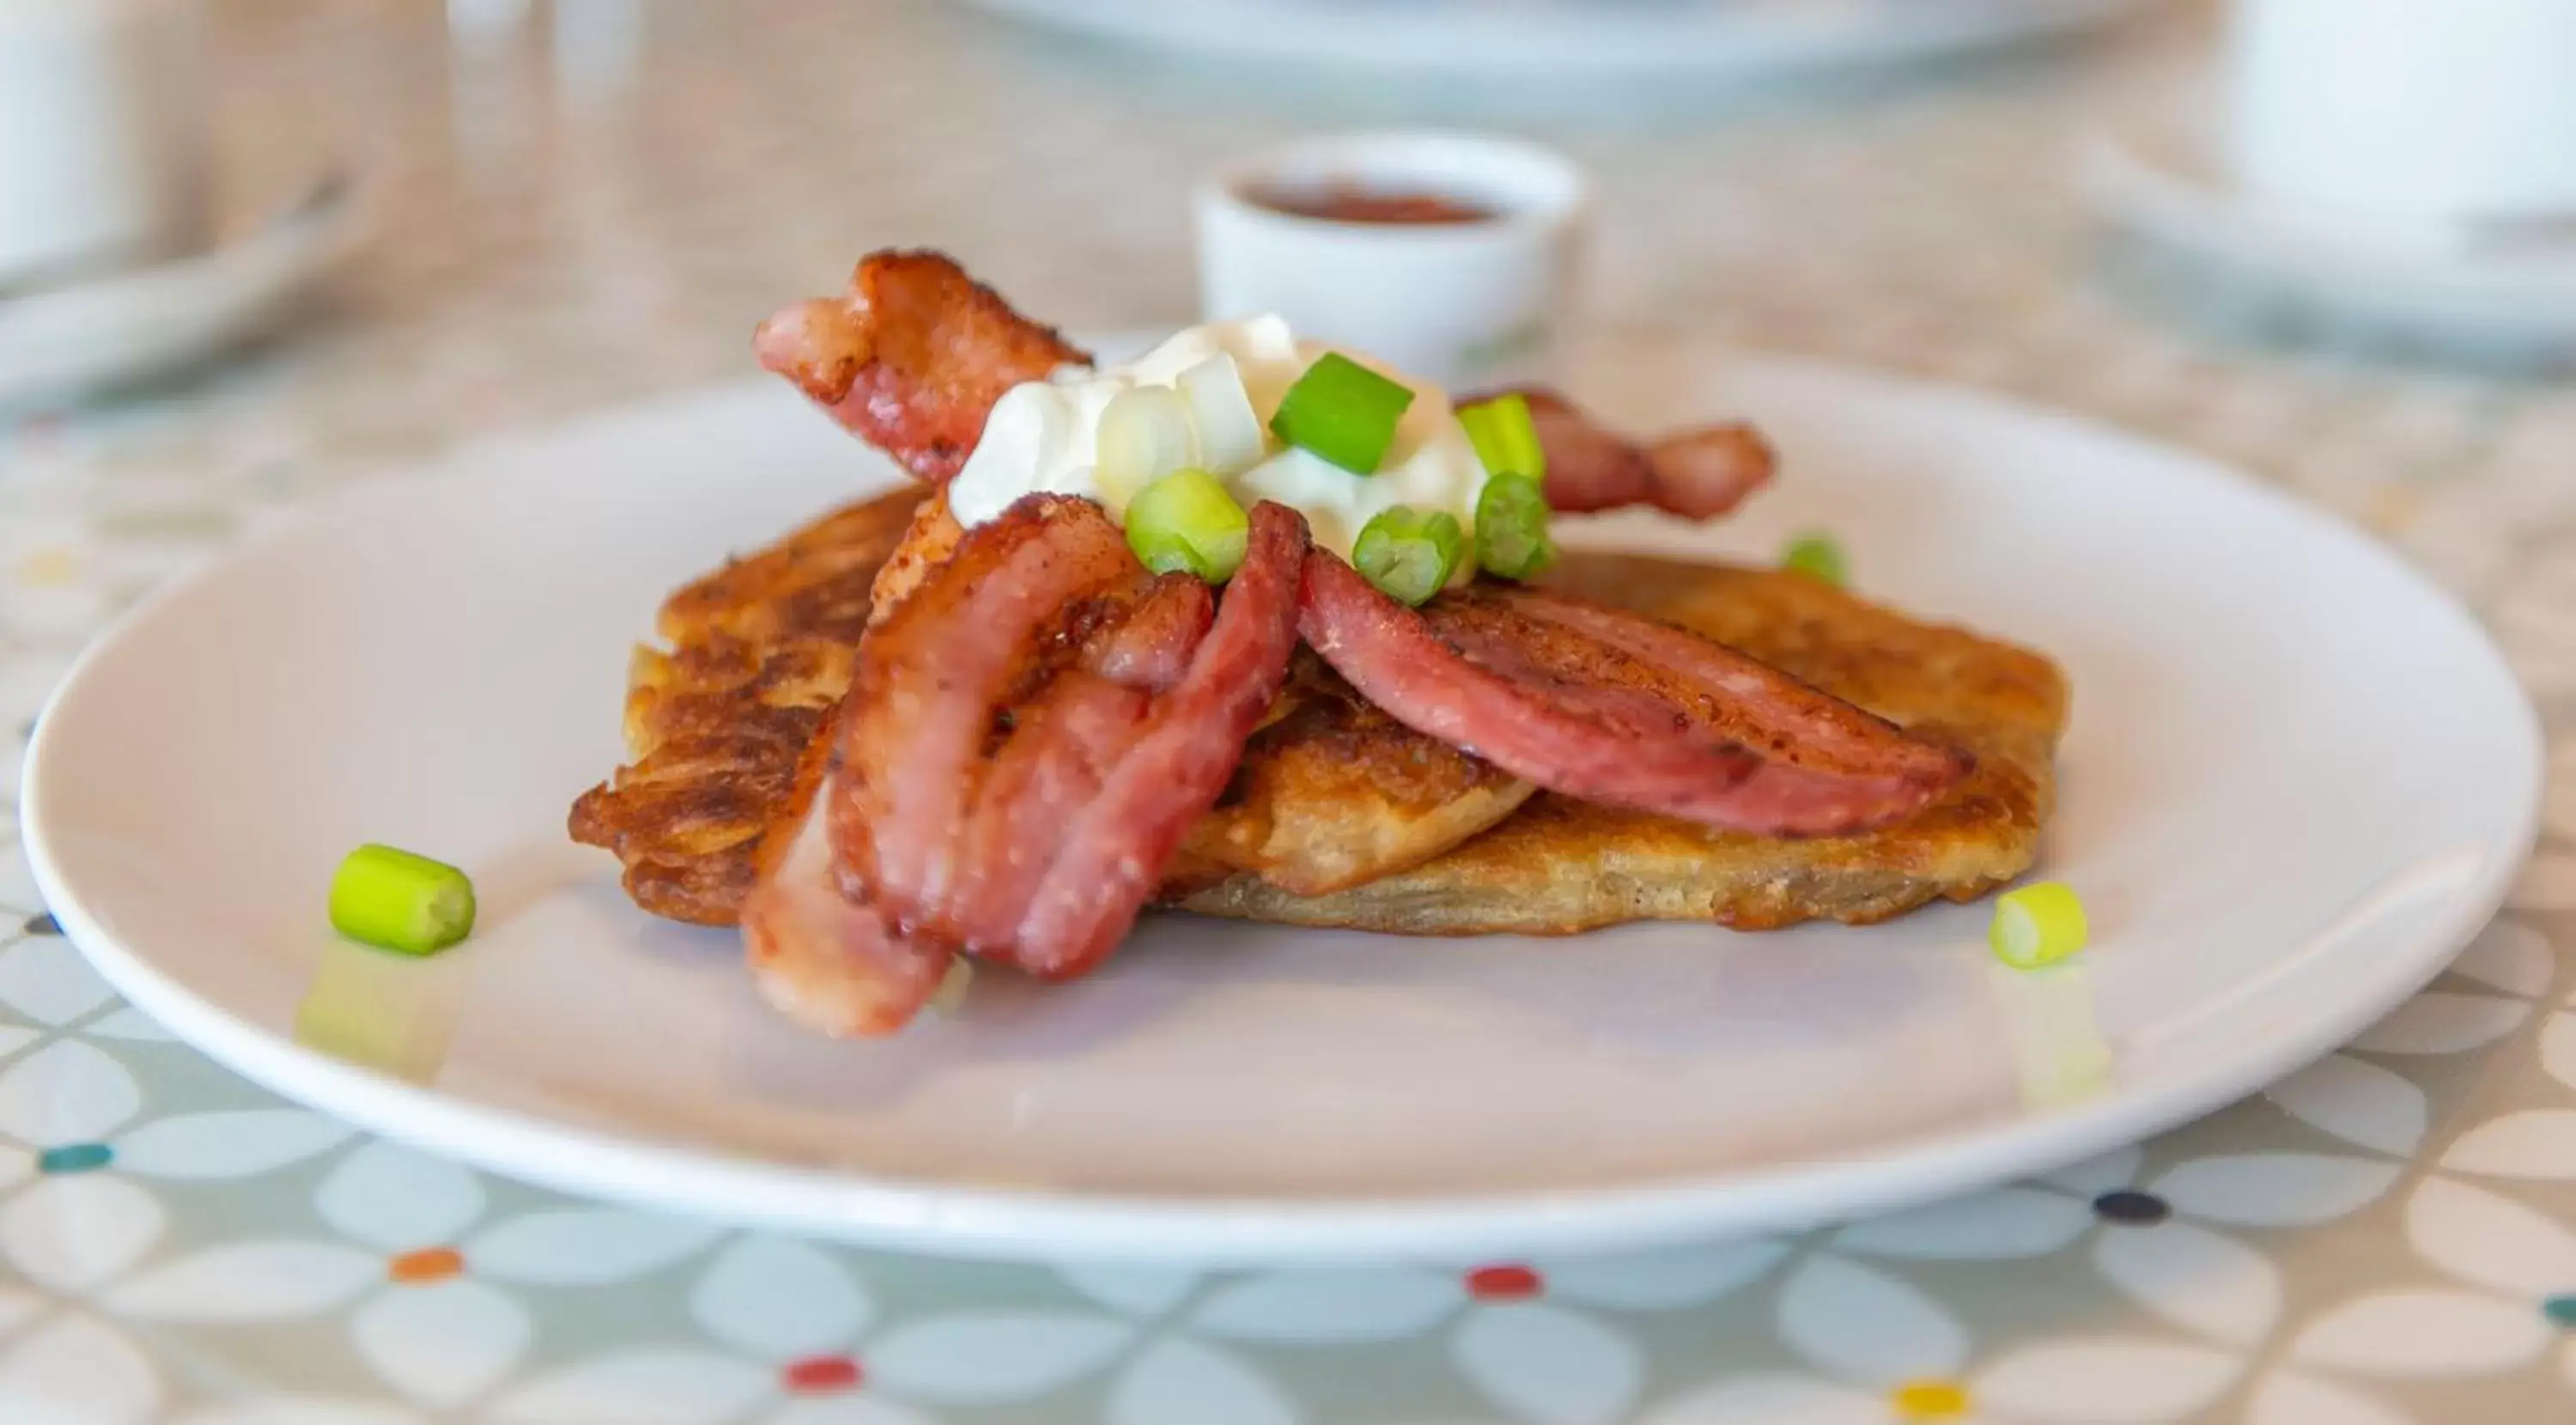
[(1187, 523), (1505, 436), (1229, 432), (1817, 557), (1408, 553), (395, 900), (1343, 412), (1511, 528), (2038, 924), (951, 994), (1144, 435)]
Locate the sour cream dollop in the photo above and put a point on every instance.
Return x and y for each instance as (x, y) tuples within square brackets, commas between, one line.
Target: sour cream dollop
[(1045, 435)]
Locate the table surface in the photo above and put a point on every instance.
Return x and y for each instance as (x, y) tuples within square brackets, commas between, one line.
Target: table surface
[(591, 206)]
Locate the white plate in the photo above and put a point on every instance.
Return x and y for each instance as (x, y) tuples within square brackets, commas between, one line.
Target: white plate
[(60, 343), (2156, 171), (2298, 779), (1714, 40)]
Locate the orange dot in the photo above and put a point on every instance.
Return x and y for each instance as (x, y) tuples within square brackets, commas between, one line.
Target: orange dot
[(822, 1375), (429, 1264), (1930, 1400), (1504, 1283)]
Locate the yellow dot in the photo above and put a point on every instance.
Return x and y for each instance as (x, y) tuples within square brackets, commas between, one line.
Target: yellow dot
[(1930, 1400), (2392, 509), (47, 568), (429, 1264)]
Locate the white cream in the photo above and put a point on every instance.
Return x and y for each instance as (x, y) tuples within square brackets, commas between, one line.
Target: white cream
[(1042, 436)]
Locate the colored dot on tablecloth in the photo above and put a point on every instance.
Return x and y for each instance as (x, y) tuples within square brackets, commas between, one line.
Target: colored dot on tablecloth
[(1504, 1283), (429, 1264), (821, 1375), (2130, 1208), (2561, 1309), (75, 1158), (43, 925), (1930, 1400)]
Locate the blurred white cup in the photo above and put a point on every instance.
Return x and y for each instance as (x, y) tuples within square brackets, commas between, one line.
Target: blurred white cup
[(2422, 110), (102, 135), (1479, 298)]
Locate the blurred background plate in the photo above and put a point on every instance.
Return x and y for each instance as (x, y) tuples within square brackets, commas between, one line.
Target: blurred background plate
[(2153, 169), (1714, 39), (64, 343)]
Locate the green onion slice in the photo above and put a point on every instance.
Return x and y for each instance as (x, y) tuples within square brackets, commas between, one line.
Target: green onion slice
[(1408, 553), (395, 900), (1817, 557), (1144, 435), (1187, 523), (2036, 925), (1506, 438), (1229, 433), (1342, 411), (1511, 528)]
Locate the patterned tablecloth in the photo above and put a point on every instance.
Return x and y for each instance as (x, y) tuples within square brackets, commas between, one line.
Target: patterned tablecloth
[(590, 206)]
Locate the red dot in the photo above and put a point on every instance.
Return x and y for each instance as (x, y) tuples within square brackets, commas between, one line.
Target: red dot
[(1505, 1283), (822, 1375)]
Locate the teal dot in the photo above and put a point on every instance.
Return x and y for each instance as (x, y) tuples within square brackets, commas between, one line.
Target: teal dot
[(75, 1158), (2561, 1309)]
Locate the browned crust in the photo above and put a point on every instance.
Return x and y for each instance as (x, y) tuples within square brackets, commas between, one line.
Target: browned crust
[(724, 728)]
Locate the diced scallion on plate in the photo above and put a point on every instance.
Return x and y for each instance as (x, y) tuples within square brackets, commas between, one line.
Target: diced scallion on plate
[(2037, 925), (397, 900), (1818, 557)]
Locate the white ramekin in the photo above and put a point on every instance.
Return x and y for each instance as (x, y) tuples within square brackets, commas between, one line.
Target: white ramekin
[(1471, 305)]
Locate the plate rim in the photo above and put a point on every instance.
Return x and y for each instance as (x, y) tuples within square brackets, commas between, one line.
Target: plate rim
[(2148, 169), (1714, 42), (1035, 1224)]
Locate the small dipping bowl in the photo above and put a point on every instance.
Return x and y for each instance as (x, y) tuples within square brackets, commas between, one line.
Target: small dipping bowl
[(1450, 256)]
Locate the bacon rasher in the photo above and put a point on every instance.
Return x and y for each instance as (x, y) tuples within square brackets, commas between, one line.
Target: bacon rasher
[(911, 357), (1699, 473), (1614, 708), (1030, 735)]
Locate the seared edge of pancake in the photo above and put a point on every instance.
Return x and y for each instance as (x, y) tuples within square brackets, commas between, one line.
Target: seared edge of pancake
[(1560, 866), (1333, 793), (723, 729)]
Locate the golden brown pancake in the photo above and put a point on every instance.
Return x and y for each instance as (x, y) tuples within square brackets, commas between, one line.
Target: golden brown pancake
[(724, 732), (723, 728), (1340, 816), (1559, 866)]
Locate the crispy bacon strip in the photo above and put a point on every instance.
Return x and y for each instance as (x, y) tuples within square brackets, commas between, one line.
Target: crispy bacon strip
[(824, 960), (992, 720), (1698, 474), (1115, 852), (934, 675), (1612, 708), (1038, 725), (912, 357), (1063, 746)]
